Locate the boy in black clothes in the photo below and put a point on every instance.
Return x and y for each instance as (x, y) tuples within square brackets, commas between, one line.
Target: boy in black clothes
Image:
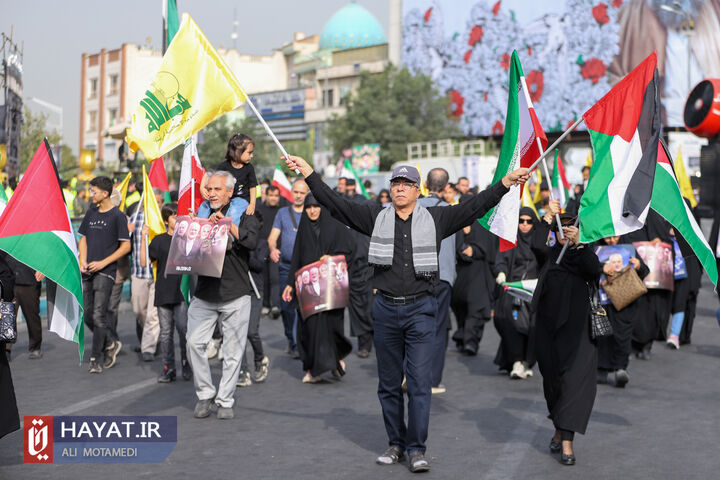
[(172, 309)]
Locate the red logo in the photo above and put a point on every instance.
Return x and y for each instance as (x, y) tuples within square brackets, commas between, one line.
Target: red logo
[(38, 433)]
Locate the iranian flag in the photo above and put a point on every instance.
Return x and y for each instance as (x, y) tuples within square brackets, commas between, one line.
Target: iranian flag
[(191, 175), (624, 129), (349, 172), (282, 183), (35, 229), (560, 184), (520, 148), (668, 202)]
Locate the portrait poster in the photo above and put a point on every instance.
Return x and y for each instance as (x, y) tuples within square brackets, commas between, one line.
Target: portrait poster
[(618, 256), (322, 285), (659, 259), (198, 247)]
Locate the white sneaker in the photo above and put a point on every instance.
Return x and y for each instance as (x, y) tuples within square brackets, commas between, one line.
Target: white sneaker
[(518, 371), (673, 342), (528, 370), (212, 348)]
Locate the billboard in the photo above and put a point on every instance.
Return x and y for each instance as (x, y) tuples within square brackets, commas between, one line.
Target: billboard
[(572, 52)]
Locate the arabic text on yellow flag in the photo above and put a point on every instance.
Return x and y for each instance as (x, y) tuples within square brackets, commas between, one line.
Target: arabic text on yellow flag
[(193, 87), (683, 180), (123, 188)]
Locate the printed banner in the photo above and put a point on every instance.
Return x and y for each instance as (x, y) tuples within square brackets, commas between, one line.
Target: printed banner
[(98, 439), (198, 247), (659, 259), (616, 255), (322, 285)]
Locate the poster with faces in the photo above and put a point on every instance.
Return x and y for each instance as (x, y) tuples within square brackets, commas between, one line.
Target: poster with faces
[(198, 247)]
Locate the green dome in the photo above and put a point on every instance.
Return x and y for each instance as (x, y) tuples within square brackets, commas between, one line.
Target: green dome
[(351, 27)]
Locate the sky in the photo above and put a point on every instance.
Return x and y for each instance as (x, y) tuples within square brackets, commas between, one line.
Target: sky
[(56, 34)]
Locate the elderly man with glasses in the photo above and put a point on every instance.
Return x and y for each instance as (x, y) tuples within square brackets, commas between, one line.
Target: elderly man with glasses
[(404, 243)]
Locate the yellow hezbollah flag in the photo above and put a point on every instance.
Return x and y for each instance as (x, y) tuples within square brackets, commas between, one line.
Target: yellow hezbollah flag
[(123, 188), (423, 188), (193, 87), (538, 184), (589, 159), (684, 180), (527, 201), (153, 218)]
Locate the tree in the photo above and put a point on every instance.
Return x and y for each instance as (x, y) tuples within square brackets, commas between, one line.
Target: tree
[(32, 132), (393, 108)]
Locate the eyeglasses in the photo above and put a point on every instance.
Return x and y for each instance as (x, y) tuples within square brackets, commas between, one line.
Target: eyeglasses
[(402, 183), (523, 220)]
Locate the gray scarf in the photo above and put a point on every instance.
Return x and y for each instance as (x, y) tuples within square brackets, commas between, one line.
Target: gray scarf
[(424, 248)]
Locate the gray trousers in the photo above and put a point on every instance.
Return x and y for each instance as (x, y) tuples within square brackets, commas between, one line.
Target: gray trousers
[(233, 318), (172, 317)]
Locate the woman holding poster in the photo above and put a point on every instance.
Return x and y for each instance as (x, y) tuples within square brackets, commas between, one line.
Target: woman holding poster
[(321, 340)]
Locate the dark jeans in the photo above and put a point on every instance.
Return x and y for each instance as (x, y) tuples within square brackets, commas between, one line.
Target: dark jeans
[(169, 316), (253, 334), (289, 313), (271, 285), (96, 297), (443, 293), (123, 273), (28, 298), (404, 337)]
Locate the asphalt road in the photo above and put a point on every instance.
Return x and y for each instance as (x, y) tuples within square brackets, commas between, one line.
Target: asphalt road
[(665, 424)]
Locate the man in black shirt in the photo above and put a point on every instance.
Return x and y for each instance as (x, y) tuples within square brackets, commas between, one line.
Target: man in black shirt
[(405, 240), (270, 274), (105, 238), (226, 300)]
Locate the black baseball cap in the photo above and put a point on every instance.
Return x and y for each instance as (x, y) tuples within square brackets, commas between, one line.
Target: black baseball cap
[(407, 172)]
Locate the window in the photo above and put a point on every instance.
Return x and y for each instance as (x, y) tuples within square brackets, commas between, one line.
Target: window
[(344, 95), (328, 98), (112, 116), (92, 121), (113, 85), (93, 88)]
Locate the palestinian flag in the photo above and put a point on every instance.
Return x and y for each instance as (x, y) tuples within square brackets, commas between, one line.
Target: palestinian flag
[(560, 184), (522, 289), (35, 229), (520, 148), (668, 202), (624, 129), (282, 183), (349, 172)]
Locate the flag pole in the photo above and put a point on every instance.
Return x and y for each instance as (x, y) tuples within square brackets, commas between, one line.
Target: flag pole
[(267, 129), (555, 143), (549, 180), (140, 204), (562, 252)]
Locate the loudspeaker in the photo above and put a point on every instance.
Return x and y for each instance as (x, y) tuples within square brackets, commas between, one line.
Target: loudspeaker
[(702, 108), (710, 174)]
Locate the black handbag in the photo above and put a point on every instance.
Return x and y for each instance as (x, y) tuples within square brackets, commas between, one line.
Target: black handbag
[(599, 322), (8, 322)]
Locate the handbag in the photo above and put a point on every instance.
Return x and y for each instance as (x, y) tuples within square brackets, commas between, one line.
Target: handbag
[(624, 287), (8, 321), (599, 321)]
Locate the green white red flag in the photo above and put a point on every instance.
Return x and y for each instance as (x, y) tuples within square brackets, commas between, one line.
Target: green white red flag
[(35, 229), (281, 181), (624, 129), (668, 202), (349, 172), (519, 149), (560, 184)]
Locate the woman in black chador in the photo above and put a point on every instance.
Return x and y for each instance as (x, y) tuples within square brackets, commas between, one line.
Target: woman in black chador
[(566, 356), (321, 340), (516, 352)]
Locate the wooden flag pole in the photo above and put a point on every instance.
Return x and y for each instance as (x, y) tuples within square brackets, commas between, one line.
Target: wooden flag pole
[(547, 175), (555, 143), (267, 129)]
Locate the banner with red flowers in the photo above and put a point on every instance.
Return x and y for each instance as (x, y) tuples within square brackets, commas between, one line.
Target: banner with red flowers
[(572, 51)]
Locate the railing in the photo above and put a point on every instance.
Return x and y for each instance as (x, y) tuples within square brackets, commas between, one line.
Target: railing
[(445, 148)]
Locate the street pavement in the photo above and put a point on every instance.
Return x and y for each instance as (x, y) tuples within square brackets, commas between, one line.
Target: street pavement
[(665, 424)]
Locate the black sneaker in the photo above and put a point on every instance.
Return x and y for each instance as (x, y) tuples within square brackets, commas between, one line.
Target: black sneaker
[(418, 463), (186, 370), (168, 375), (274, 313), (95, 366)]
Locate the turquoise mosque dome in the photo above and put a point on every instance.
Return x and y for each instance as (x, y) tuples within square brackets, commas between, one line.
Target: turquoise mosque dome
[(351, 27)]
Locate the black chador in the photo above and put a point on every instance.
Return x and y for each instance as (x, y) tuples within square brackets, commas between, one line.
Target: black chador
[(321, 340), (566, 356)]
